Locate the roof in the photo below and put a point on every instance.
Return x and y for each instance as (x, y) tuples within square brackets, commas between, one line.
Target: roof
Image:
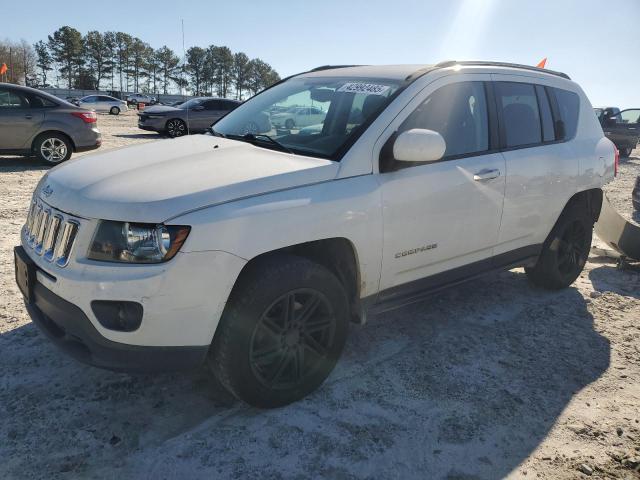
[(406, 72)]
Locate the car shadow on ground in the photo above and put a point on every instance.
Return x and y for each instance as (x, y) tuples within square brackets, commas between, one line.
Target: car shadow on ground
[(139, 135), (463, 385), (21, 164)]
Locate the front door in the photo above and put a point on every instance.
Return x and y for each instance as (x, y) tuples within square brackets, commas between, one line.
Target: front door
[(443, 215)]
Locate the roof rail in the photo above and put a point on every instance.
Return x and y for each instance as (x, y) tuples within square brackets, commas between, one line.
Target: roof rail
[(330, 67), (451, 63)]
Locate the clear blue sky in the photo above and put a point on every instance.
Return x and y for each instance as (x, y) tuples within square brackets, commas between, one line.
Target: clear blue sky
[(595, 41)]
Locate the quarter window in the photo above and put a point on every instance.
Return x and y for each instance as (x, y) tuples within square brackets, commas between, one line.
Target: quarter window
[(458, 112), (520, 115)]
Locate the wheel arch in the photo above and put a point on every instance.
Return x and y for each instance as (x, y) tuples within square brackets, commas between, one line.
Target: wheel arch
[(591, 199), (48, 132), (337, 254)]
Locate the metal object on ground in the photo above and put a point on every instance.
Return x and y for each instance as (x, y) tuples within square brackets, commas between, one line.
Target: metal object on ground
[(617, 232)]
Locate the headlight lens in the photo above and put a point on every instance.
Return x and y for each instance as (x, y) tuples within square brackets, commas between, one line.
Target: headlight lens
[(136, 242)]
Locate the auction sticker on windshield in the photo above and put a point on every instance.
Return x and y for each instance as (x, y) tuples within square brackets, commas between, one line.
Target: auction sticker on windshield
[(368, 88)]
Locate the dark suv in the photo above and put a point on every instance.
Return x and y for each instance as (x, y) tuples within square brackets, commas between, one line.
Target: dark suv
[(621, 127), (34, 122)]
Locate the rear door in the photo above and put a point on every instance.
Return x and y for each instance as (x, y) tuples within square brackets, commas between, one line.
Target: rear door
[(536, 124), (628, 125), (19, 120)]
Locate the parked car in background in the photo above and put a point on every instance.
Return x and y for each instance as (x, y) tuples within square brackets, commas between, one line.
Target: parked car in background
[(298, 117), (103, 103), (193, 116), (622, 127), (252, 252), (136, 98), (36, 123)]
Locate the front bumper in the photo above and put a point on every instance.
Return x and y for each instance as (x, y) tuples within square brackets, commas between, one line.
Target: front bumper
[(152, 124), (68, 327)]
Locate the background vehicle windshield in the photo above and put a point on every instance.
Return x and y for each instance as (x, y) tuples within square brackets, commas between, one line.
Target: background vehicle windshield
[(194, 102), (311, 116)]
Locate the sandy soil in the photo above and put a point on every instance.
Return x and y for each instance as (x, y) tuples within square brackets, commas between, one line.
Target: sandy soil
[(491, 379)]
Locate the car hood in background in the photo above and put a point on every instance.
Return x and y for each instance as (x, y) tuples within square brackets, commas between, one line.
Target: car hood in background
[(160, 180), (161, 109)]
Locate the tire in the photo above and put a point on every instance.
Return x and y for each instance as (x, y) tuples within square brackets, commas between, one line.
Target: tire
[(636, 205), (52, 148), (626, 153), (114, 111), (176, 128), (266, 357), (566, 249), (289, 124)]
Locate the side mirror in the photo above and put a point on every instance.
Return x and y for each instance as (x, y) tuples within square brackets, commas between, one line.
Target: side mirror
[(419, 145)]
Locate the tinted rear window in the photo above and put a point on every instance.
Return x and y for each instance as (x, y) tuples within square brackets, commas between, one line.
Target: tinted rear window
[(520, 114), (569, 107)]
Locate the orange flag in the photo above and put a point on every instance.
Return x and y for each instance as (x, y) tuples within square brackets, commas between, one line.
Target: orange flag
[(542, 63), (3, 69)]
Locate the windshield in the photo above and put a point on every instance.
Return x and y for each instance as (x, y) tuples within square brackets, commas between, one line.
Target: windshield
[(194, 102), (309, 116)]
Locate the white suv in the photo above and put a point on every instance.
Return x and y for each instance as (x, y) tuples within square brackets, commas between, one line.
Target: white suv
[(252, 250)]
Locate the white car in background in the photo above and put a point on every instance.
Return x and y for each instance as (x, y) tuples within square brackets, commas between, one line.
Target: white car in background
[(298, 117), (103, 103)]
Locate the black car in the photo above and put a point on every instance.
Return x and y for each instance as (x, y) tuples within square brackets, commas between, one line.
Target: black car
[(621, 127)]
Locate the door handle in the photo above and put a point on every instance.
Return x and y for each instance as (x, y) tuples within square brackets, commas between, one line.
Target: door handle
[(486, 175)]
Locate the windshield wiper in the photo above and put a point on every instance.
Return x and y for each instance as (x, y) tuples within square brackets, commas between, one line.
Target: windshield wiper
[(251, 137)]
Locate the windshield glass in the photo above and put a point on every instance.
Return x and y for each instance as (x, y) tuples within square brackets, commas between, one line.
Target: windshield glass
[(194, 102), (309, 116)]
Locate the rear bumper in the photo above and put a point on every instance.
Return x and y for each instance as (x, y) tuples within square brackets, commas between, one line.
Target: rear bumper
[(68, 327), (89, 147)]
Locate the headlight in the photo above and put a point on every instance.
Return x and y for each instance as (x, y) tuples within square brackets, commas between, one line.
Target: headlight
[(136, 242)]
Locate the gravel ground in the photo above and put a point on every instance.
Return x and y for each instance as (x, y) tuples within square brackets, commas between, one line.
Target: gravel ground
[(490, 379)]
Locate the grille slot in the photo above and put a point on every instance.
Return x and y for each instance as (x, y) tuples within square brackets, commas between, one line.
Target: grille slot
[(50, 233)]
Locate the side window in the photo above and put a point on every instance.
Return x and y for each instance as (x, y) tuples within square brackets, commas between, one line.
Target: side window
[(212, 105), (548, 134), (11, 99), (458, 112), (629, 116), (89, 100), (520, 115), (568, 108)]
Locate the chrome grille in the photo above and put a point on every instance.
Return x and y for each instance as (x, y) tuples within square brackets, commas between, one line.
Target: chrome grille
[(50, 233)]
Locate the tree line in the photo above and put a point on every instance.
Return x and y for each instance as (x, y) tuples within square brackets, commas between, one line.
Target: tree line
[(121, 62)]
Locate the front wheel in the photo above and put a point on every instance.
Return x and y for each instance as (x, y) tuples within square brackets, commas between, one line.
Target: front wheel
[(114, 111), (281, 333), (176, 128), (565, 251)]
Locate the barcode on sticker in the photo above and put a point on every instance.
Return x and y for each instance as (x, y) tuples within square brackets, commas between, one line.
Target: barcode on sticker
[(368, 88)]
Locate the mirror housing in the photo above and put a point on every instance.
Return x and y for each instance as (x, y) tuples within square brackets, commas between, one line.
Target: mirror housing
[(419, 145)]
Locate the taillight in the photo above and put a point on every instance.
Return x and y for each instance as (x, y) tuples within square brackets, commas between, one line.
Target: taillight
[(616, 161), (87, 117)]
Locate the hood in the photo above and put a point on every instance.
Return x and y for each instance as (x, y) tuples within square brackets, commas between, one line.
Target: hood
[(160, 180), (160, 109)]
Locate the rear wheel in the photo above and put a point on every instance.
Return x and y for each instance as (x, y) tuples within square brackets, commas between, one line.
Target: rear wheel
[(114, 111), (52, 148), (565, 251), (281, 333), (289, 124), (176, 128)]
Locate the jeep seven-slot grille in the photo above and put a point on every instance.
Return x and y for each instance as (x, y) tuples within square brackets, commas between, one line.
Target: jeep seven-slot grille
[(50, 233)]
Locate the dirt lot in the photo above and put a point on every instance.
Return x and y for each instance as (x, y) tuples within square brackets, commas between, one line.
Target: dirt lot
[(491, 379)]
